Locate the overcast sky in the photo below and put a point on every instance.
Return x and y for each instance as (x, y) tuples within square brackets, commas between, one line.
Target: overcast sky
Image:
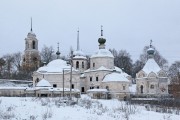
[(127, 24)]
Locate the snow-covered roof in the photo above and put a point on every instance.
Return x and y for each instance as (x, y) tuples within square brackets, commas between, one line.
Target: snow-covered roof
[(55, 66), (79, 57), (43, 83), (102, 53), (97, 90), (78, 53), (112, 77), (151, 66), (102, 68)]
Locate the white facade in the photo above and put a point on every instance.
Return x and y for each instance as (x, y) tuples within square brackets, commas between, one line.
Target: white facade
[(151, 79), (86, 78)]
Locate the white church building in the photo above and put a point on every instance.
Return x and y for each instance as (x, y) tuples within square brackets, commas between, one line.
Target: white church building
[(100, 80), (151, 80)]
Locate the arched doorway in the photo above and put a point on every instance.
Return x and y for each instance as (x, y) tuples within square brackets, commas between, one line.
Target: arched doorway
[(141, 88)]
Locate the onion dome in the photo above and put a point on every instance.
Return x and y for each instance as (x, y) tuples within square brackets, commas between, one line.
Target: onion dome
[(58, 53), (101, 40), (151, 50)]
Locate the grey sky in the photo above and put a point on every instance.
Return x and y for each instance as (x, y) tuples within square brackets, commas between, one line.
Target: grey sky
[(128, 24)]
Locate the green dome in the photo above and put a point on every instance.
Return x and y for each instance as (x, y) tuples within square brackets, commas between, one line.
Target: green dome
[(101, 40)]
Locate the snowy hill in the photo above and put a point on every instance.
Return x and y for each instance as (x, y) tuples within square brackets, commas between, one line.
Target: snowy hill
[(86, 109)]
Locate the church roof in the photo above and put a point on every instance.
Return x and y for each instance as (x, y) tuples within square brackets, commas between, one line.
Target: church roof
[(79, 53), (151, 66), (43, 83), (102, 53), (115, 77), (55, 66)]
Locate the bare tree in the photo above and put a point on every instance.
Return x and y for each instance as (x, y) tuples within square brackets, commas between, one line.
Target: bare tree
[(47, 54), (8, 65), (123, 60), (17, 60), (174, 75)]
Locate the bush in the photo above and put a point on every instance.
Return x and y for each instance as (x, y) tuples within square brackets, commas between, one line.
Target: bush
[(87, 103), (47, 114)]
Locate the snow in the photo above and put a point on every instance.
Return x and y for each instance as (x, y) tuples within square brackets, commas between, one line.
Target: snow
[(102, 68), (115, 77), (79, 57), (29, 107), (151, 66), (102, 53), (118, 69), (78, 53), (43, 83), (55, 66), (97, 90)]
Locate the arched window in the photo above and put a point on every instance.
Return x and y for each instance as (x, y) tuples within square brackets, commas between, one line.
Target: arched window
[(82, 64), (141, 88), (77, 64), (34, 45), (37, 80), (152, 86), (93, 65)]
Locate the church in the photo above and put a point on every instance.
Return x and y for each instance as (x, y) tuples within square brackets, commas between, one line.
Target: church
[(100, 80), (151, 80), (96, 76)]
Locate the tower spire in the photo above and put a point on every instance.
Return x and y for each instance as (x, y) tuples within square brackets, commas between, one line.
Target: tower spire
[(58, 53), (31, 24), (151, 43), (78, 47), (101, 30)]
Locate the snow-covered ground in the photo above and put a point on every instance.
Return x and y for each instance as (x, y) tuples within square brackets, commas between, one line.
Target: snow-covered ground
[(21, 108)]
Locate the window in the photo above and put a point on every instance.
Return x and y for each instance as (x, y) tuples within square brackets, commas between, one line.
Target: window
[(72, 86), (82, 89), (97, 87), (34, 45), (37, 80), (96, 78), (124, 87), (91, 87), (90, 79), (152, 86), (54, 85), (77, 64), (82, 64), (107, 87), (93, 65)]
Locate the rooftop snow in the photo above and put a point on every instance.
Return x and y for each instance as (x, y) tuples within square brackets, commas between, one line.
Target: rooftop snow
[(151, 66), (102, 53), (43, 83), (112, 77), (78, 53), (102, 68), (55, 66), (97, 90)]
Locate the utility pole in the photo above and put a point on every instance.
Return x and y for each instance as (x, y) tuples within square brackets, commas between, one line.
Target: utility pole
[(71, 76), (63, 83)]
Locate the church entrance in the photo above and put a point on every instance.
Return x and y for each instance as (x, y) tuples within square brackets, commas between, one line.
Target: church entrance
[(141, 88)]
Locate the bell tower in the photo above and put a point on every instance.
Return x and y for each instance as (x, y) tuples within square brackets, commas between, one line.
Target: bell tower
[(31, 57)]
